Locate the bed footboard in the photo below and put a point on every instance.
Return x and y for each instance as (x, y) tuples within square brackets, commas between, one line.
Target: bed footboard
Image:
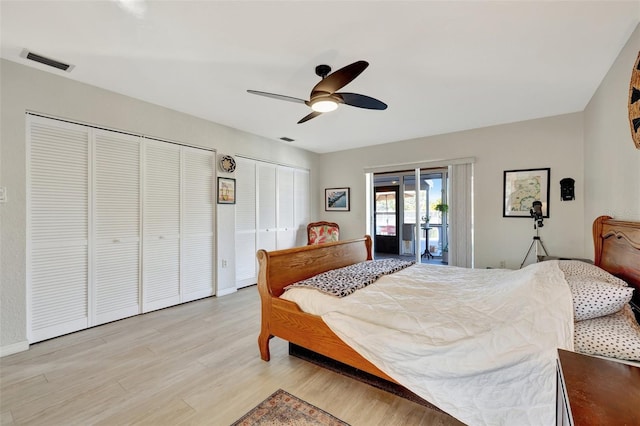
[(284, 319)]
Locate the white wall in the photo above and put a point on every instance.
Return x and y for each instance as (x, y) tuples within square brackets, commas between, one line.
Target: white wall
[(603, 161), (612, 162), (554, 142), (27, 89), (593, 147)]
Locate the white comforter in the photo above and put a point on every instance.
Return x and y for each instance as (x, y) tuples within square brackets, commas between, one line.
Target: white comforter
[(478, 343)]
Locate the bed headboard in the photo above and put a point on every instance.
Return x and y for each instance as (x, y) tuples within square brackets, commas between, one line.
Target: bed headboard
[(617, 249)]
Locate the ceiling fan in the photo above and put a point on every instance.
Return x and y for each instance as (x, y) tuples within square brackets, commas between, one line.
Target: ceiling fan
[(325, 96)]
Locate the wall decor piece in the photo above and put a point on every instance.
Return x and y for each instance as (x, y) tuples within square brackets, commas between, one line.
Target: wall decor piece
[(567, 189), (634, 103), (522, 188), (226, 190), (227, 163), (336, 199)]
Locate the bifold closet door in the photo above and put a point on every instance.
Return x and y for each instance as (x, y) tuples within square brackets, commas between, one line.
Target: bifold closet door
[(286, 218), (58, 211), (117, 226), (246, 263), (161, 226), (301, 202), (267, 205), (272, 211), (197, 224)]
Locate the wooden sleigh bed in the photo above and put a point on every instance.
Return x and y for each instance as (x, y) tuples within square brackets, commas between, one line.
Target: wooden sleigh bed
[(617, 250), (286, 320)]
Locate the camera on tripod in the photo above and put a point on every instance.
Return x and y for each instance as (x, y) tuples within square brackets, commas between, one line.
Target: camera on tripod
[(536, 213), (540, 250)]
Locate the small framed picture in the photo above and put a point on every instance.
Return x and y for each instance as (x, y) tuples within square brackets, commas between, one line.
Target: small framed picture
[(226, 190), (522, 188), (336, 199)]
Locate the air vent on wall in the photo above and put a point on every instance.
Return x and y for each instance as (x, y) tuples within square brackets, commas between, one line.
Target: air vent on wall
[(46, 61), (286, 139)]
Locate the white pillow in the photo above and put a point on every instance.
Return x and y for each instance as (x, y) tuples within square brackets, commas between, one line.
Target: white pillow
[(594, 298), (616, 335)]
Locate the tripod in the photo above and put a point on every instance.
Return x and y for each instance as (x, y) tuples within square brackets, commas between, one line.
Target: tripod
[(537, 243)]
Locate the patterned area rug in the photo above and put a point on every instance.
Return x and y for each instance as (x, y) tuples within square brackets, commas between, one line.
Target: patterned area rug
[(282, 408)]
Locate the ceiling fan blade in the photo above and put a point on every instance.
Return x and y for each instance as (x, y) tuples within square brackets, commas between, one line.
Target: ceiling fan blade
[(308, 117), (275, 96), (340, 78), (361, 101)]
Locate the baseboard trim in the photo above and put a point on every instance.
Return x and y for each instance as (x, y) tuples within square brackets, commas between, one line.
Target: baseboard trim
[(226, 291), (14, 348)]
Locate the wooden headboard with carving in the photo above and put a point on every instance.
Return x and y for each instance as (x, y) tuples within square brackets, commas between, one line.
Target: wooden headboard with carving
[(617, 249)]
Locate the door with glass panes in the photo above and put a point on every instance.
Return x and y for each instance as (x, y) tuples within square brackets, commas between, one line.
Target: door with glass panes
[(386, 220)]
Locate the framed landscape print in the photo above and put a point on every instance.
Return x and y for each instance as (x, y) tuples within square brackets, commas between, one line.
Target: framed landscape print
[(522, 188), (226, 190), (336, 199)]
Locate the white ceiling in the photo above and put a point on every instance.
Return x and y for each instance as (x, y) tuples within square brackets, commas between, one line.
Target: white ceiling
[(440, 66)]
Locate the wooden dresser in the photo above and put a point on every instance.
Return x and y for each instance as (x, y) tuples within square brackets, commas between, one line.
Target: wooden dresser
[(594, 391)]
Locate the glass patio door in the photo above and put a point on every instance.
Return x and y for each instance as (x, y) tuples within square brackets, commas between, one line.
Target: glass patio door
[(386, 220), (433, 183)]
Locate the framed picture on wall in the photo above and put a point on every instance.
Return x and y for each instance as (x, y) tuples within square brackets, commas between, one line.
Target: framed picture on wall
[(226, 190), (522, 188), (336, 199)]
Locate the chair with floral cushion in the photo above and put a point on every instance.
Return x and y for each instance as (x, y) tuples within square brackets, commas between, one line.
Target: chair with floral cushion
[(322, 232)]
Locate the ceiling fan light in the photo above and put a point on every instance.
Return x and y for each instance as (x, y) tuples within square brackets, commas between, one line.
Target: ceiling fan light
[(324, 105)]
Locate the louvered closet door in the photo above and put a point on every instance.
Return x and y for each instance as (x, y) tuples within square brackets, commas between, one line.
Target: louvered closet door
[(117, 226), (301, 202), (267, 204), (58, 202), (197, 224), (286, 237), (246, 263), (161, 229)]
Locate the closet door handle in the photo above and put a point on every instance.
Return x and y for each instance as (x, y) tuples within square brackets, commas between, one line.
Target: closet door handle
[(117, 240)]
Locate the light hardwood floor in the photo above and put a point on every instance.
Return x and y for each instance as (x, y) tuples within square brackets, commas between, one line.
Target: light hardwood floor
[(195, 364)]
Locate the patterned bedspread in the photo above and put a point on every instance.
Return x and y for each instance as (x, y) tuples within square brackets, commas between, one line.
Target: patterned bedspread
[(342, 282)]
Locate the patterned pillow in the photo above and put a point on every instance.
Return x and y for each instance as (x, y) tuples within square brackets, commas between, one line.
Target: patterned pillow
[(578, 269), (616, 336), (593, 298)]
